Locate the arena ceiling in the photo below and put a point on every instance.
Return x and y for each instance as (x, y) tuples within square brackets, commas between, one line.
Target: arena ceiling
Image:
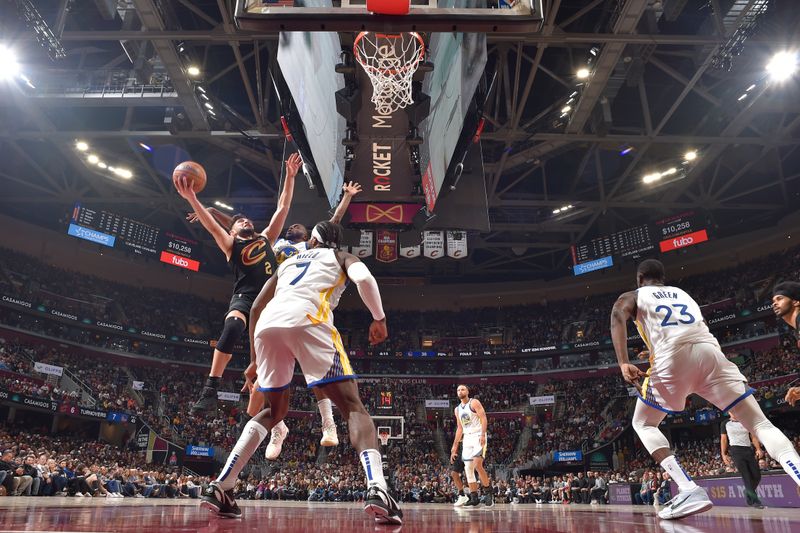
[(667, 77)]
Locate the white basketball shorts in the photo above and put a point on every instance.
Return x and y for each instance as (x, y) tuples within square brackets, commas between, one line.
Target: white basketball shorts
[(471, 447)]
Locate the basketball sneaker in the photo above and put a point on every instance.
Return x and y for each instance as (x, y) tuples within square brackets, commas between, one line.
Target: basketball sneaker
[(329, 436), (382, 506), (488, 500), (207, 401), (278, 435), (462, 499), (220, 502), (474, 501), (685, 504)]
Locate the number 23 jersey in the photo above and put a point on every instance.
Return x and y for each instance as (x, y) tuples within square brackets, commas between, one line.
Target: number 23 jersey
[(668, 318), (308, 289)]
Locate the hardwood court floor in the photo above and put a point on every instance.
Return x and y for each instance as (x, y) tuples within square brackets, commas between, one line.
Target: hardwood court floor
[(149, 516)]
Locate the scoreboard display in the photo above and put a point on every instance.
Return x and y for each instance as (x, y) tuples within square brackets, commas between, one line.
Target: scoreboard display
[(123, 233), (671, 233)]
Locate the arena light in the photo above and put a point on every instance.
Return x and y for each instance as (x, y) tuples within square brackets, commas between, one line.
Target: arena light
[(582, 73), (650, 178), (562, 209), (193, 71), (691, 155), (201, 89), (782, 66), (102, 165), (9, 67), (209, 106), (82, 145), (146, 147), (223, 205), (123, 173), (93, 159), (566, 109)]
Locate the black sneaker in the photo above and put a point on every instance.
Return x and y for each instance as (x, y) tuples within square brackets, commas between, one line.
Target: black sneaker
[(474, 501), (488, 500), (382, 506), (207, 401), (220, 502)]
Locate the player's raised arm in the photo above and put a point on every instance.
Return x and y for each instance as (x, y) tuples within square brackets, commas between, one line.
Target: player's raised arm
[(478, 407), (223, 239), (623, 310), (457, 439), (224, 220), (369, 292), (350, 189), (275, 226)]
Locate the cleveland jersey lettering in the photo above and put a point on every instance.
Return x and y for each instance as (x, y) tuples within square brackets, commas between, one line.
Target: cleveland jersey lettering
[(252, 262), (308, 290), (667, 319)]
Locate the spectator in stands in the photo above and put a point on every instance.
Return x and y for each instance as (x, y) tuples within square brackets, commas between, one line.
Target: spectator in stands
[(664, 492), (600, 489)]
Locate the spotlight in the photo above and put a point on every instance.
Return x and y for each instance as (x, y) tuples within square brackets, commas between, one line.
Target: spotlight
[(626, 150), (193, 71), (102, 165), (782, 66), (650, 178), (146, 147), (691, 155), (582, 73), (209, 106), (93, 159), (566, 109), (8, 63), (82, 146), (123, 173)]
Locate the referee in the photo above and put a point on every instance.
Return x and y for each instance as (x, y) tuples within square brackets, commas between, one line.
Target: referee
[(736, 446)]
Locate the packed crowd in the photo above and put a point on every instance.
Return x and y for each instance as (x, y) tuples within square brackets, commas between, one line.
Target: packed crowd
[(515, 327)]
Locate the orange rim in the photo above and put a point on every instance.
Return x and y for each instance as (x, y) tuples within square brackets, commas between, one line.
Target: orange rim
[(411, 64)]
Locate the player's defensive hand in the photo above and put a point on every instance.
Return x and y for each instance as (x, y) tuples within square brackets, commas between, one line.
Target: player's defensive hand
[(760, 454), (792, 395), (249, 378), (378, 332), (185, 189), (293, 165), (727, 460), (352, 188), (631, 375), (453, 455)]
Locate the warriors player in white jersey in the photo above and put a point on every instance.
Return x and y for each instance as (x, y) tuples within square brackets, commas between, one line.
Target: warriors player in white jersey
[(472, 426), (293, 242), (292, 320), (685, 358)]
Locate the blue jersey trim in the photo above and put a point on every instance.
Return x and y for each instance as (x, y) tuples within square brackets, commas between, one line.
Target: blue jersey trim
[(658, 407), (749, 392), (273, 389), (331, 380)]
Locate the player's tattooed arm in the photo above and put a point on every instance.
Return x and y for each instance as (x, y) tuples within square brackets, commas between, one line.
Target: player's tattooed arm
[(624, 309)]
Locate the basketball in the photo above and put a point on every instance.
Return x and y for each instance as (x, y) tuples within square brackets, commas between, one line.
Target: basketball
[(194, 172)]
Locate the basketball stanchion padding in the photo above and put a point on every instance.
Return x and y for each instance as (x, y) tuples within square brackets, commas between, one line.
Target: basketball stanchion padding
[(389, 7)]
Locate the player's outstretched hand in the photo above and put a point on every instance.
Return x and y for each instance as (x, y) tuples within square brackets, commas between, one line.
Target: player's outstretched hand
[(631, 375), (378, 331), (453, 455), (792, 395), (352, 188), (249, 378), (185, 189), (293, 165)]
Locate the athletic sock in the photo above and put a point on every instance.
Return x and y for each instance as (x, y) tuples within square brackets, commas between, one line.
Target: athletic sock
[(213, 382), (461, 492), (326, 412), (252, 436), (678, 474), (371, 461)]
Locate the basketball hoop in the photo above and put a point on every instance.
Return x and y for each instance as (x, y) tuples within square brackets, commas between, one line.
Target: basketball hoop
[(383, 436), (390, 60)]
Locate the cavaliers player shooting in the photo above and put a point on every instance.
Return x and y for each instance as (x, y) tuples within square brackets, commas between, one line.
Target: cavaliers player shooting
[(252, 260), (786, 305)]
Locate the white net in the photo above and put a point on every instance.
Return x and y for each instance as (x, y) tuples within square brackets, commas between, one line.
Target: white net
[(390, 61)]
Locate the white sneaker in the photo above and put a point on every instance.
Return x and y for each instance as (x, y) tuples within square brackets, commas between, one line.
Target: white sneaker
[(686, 503), (78, 495), (87, 494), (462, 499), (279, 434), (329, 436)]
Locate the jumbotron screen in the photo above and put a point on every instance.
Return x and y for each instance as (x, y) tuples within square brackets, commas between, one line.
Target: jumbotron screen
[(118, 231)]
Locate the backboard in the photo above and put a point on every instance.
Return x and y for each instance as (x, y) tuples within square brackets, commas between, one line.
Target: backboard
[(492, 16)]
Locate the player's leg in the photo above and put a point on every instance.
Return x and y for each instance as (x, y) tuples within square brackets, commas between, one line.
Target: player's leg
[(364, 439), (691, 498), (329, 436), (234, 327), (456, 469), (749, 413), (486, 487)]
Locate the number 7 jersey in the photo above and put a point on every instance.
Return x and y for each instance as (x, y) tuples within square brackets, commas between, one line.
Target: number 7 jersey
[(668, 318), (308, 289)]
